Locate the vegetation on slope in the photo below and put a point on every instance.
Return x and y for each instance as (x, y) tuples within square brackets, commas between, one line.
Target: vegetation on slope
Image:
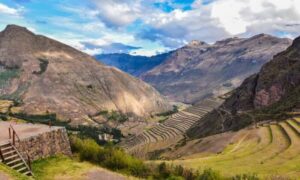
[(270, 151), (61, 167), (12, 174), (113, 116), (117, 160), (6, 75)]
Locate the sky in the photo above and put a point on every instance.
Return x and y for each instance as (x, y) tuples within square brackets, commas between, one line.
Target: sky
[(149, 27)]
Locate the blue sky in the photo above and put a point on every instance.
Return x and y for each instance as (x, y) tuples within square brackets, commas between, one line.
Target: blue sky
[(148, 27)]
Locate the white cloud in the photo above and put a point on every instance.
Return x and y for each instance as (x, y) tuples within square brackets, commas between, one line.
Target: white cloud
[(222, 19), (4, 9), (252, 16), (147, 52), (115, 13), (230, 18), (178, 27), (106, 22)]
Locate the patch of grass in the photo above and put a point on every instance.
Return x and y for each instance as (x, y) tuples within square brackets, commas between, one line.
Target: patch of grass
[(7, 75), (162, 119), (60, 167), (13, 174)]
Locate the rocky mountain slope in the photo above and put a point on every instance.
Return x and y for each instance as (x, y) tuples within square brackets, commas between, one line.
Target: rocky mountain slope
[(134, 65), (46, 76), (267, 95), (199, 70)]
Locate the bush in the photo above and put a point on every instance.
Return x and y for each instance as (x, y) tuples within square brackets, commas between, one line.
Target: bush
[(246, 177), (109, 157), (168, 113), (209, 174)]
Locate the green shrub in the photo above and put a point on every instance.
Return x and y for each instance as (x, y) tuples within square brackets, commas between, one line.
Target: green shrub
[(172, 177), (209, 174), (168, 113), (90, 151), (110, 157), (113, 116), (246, 177), (163, 170)]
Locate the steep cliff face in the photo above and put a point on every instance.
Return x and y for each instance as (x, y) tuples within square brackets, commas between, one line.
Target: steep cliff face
[(199, 70), (47, 76), (271, 92), (277, 80)]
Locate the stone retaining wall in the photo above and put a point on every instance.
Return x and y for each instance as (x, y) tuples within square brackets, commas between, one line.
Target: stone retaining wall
[(53, 142)]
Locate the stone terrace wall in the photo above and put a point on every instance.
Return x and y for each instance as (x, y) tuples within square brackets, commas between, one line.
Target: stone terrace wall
[(46, 144)]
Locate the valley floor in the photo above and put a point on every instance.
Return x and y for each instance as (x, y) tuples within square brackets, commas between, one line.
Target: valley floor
[(269, 150)]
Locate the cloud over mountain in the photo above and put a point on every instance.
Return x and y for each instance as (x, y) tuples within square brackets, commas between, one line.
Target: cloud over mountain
[(153, 25)]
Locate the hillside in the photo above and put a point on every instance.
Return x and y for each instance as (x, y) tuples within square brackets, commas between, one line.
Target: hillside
[(47, 77), (168, 134), (267, 95), (199, 70), (134, 65), (272, 151)]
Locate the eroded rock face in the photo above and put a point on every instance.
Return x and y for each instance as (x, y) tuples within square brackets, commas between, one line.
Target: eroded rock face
[(266, 97), (199, 70), (54, 78)]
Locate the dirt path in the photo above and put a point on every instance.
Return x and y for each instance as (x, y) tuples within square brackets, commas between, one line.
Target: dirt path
[(92, 174), (101, 174)]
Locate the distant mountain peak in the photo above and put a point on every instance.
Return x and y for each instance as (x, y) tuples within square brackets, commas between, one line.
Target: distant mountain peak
[(228, 41), (194, 43), (11, 28), (262, 35)]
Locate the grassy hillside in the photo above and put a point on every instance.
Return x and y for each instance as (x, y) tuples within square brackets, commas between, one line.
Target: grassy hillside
[(270, 150)]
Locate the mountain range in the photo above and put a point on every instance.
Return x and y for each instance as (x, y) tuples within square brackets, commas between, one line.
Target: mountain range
[(134, 65), (199, 70), (270, 94), (47, 77)]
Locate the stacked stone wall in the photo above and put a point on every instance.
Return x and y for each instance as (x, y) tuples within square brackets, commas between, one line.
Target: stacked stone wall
[(50, 143)]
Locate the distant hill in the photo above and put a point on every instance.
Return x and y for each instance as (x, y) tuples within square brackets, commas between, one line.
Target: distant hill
[(48, 77), (199, 70), (267, 95), (134, 65)]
